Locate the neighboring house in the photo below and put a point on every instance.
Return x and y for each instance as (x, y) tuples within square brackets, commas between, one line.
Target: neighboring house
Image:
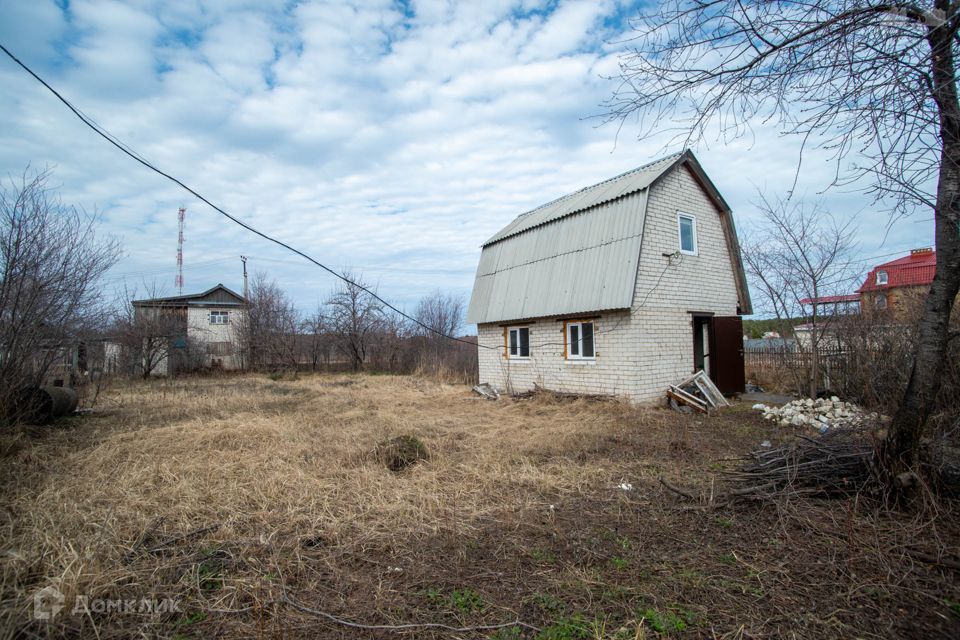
[(894, 286), (622, 288), (203, 328)]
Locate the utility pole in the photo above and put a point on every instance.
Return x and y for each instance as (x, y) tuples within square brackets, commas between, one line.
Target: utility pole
[(246, 293)]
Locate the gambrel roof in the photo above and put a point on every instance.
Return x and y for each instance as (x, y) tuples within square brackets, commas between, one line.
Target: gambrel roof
[(579, 253)]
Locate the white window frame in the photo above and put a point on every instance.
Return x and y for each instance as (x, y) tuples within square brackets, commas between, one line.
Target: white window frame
[(219, 314), (518, 329), (693, 222), (882, 277), (568, 340)]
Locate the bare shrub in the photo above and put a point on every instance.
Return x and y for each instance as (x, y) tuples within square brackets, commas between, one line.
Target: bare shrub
[(438, 356), (799, 253), (879, 348), (355, 317), (269, 329), (147, 334), (52, 261)]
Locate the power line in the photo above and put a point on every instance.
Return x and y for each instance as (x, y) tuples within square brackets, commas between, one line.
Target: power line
[(103, 133)]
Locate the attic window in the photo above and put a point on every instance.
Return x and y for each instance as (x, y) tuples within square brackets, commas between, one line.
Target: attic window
[(518, 343), (881, 277), (218, 317), (687, 232)]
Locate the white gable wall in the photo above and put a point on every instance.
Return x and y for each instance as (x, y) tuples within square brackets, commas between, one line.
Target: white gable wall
[(202, 333), (640, 352)]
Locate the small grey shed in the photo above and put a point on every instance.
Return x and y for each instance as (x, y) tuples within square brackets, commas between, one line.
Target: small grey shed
[(620, 288)]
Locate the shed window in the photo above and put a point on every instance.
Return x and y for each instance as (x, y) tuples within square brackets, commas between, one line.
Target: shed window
[(881, 277), (580, 340), (687, 232), (518, 342), (218, 317)]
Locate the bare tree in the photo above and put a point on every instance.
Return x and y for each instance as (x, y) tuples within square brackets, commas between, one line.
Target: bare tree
[(800, 253), (148, 333), (51, 261), (355, 316), (443, 313), (316, 343), (870, 79), (270, 326)]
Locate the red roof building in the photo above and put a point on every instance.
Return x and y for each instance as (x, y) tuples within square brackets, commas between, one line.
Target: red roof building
[(887, 286), (898, 285), (914, 270)]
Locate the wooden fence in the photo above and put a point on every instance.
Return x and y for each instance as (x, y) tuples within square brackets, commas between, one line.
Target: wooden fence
[(780, 368)]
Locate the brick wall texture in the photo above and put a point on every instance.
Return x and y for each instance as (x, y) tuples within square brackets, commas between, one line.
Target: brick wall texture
[(641, 351)]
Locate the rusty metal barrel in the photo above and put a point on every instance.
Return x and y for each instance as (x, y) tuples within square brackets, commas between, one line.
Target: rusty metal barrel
[(41, 405)]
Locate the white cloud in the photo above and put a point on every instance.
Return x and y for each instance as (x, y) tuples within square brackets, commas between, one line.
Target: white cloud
[(393, 140)]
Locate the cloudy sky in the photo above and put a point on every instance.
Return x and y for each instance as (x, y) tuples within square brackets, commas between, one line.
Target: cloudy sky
[(390, 137)]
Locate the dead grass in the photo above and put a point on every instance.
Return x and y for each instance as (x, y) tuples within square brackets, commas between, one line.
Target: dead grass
[(238, 496)]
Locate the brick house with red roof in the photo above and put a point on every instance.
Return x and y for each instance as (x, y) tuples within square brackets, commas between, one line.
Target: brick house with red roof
[(894, 285)]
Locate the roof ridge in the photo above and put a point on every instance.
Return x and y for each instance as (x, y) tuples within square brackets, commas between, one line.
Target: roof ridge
[(642, 167)]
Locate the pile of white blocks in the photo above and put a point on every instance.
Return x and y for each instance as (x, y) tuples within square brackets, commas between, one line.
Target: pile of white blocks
[(822, 414)]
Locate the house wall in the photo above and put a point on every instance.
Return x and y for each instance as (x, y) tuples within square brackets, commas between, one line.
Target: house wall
[(640, 352), (220, 340)]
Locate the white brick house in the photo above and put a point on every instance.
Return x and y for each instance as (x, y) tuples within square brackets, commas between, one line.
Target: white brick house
[(207, 323), (622, 288)]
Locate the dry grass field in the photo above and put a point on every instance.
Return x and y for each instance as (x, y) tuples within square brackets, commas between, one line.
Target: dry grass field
[(264, 509)]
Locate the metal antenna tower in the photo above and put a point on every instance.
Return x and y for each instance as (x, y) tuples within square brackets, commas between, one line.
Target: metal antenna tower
[(178, 283)]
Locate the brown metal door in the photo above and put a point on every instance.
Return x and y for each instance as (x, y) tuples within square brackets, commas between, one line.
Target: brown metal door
[(726, 355)]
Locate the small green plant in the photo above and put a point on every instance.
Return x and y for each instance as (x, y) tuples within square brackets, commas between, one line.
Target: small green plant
[(191, 618), (625, 543), (619, 563), (573, 628), (542, 555), (209, 571), (954, 607), (728, 558), (549, 603), (433, 595), (466, 601), (668, 622), (726, 523), (507, 633)]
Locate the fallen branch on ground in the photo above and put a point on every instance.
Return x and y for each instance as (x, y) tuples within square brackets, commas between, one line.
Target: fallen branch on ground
[(403, 627)]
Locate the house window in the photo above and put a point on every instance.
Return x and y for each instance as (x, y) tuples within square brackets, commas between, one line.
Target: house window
[(580, 340), (881, 301), (687, 232), (218, 317), (881, 277), (518, 343)]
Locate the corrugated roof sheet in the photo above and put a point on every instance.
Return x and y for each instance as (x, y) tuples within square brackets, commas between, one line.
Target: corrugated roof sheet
[(626, 183), (587, 263)]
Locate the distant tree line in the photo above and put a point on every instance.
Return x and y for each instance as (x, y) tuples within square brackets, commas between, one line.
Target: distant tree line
[(352, 330)]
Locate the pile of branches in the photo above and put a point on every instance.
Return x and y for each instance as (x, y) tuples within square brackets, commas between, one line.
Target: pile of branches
[(838, 463)]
